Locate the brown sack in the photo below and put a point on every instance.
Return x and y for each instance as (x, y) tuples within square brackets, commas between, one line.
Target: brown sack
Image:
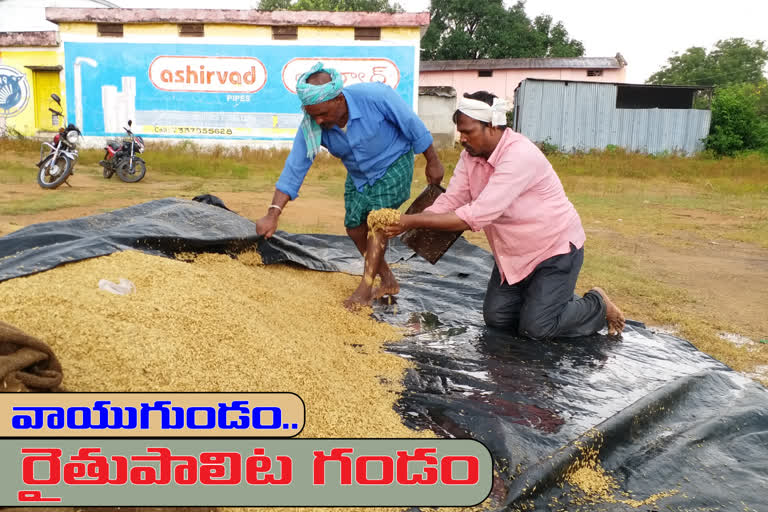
[(26, 363)]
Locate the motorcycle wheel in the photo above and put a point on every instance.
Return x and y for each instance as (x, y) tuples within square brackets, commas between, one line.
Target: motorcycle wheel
[(131, 175), (52, 174), (108, 172)]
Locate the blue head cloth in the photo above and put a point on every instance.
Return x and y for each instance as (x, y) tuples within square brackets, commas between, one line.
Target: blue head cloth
[(312, 95)]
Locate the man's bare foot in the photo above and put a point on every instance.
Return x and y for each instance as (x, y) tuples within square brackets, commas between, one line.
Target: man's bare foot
[(613, 315), (388, 286), (360, 297)]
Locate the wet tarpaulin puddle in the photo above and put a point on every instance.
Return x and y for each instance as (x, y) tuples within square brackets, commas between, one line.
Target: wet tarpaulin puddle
[(645, 422)]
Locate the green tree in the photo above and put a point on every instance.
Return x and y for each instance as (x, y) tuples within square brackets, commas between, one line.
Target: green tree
[(275, 5), (735, 67), (739, 119), (554, 40), (330, 5), (462, 29), (732, 61)]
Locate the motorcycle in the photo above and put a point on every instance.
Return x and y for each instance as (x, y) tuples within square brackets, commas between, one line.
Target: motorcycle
[(58, 165), (120, 158)]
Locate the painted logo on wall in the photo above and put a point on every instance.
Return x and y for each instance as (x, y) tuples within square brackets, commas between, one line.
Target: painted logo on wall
[(352, 70), (221, 91), (14, 91), (238, 75)]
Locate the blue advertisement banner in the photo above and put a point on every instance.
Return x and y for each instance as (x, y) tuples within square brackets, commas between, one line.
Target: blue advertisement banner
[(211, 90)]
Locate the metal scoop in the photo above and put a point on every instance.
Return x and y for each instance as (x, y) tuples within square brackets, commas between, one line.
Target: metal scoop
[(430, 244)]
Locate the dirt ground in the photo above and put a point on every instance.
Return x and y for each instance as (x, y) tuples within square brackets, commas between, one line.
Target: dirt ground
[(310, 210), (716, 273), (727, 280)]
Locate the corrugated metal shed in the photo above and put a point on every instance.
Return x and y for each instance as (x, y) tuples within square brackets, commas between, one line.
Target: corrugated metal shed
[(584, 115), (544, 63)]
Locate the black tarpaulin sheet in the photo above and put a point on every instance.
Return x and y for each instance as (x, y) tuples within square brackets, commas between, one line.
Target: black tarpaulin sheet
[(665, 426), (162, 227)]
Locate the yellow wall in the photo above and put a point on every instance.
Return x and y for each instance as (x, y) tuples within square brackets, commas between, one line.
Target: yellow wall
[(344, 33), (251, 32), (401, 33), (155, 29), (24, 122), (255, 32), (82, 29)]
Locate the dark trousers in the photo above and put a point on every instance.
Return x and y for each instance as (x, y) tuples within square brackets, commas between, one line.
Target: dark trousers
[(543, 304)]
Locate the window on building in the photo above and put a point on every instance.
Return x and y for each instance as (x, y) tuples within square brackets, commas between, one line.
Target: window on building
[(484, 73), (368, 33), (110, 29), (628, 96), (191, 30), (285, 33), (594, 72)]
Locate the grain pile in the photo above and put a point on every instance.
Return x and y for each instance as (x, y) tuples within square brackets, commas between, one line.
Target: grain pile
[(212, 323), (593, 485), (216, 325), (250, 258), (379, 219)]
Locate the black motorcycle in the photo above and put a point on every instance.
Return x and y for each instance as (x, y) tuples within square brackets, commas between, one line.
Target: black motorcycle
[(120, 157), (59, 163)]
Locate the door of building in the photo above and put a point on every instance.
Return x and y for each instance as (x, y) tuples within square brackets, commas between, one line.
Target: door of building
[(45, 84)]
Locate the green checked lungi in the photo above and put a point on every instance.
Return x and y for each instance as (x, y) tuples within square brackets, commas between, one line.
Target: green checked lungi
[(390, 191)]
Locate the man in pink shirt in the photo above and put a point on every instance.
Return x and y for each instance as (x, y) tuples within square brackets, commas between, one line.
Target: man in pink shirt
[(504, 185)]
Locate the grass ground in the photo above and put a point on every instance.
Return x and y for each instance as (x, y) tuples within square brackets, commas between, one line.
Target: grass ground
[(680, 243)]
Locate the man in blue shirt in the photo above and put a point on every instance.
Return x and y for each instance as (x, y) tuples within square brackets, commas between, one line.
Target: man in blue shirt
[(375, 134)]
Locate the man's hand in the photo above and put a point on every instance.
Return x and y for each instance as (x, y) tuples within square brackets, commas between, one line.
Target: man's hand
[(434, 172), (392, 230), (267, 225), (439, 221)]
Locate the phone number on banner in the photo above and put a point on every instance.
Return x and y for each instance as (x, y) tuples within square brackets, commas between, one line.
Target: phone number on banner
[(197, 131)]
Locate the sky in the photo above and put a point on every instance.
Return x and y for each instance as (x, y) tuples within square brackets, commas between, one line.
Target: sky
[(646, 33)]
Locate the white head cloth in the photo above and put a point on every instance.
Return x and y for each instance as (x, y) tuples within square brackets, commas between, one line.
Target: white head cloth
[(480, 110)]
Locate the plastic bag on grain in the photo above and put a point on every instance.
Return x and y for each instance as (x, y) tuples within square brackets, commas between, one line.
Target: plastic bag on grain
[(124, 287)]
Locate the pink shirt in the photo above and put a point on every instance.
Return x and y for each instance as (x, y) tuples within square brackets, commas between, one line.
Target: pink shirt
[(518, 200)]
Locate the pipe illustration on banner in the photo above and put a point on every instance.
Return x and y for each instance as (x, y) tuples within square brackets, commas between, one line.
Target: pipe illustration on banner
[(120, 106), (79, 88), (216, 91)]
